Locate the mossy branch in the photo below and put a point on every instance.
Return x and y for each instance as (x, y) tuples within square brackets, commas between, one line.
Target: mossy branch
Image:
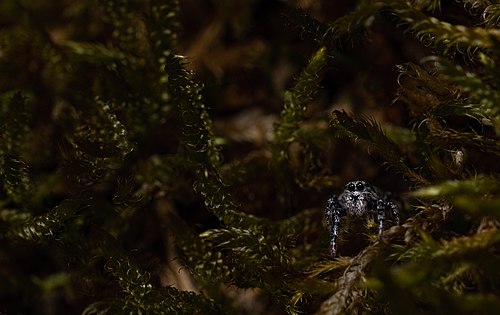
[(98, 144), (164, 28), (296, 101), (432, 31), (354, 22), (475, 186), (99, 54), (446, 137), (476, 195), (488, 11), (491, 16), (479, 207), (481, 91), (349, 297), (425, 91), (295, 105), (13, 128), (199, 143), (346, 27), (127, 25), (371, 133), (140, 296), (46, 226)]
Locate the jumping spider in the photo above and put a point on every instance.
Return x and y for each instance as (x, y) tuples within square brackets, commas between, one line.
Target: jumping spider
[(359, 199)]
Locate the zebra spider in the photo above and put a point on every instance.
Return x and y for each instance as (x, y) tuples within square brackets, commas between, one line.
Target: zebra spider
[(359, 199)]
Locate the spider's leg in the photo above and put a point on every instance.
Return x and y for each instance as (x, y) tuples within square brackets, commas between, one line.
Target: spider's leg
[(380, 217), (333, 212), (394, 210)]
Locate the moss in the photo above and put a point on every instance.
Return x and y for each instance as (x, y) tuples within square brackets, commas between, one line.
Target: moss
[(133, 182)]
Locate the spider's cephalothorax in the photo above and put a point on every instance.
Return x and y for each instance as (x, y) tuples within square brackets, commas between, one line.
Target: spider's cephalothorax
[(359, 199)]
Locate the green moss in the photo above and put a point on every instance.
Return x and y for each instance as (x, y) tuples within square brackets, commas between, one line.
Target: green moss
[(122, 161)]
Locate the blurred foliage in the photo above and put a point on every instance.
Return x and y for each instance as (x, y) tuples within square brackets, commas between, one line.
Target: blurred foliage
[(174, 157)]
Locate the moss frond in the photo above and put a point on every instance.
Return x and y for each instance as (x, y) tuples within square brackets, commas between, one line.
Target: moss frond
[(476, 4), (45, 226), (347, 27), (432, 31), (139, 295), (371, 133), (296, 102), (98, 54), (205, 264), (491, 16), (254, 260), (355, 22), (350, 297), (99, 143), (198, 134), (200, 145), (456, 248), (476, 195), (164, 28), (476, 186), (425, 91), (485, 9), (14, 171), (467, 245), (478, 207), (126, 23), (481, 91), (252, 247), (447, 137)]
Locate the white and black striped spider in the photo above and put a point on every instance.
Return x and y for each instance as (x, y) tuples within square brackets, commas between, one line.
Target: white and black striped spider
[(359, 199)]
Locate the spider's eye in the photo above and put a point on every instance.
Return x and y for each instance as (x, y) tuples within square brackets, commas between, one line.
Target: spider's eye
[(351, 187), (360, 186)]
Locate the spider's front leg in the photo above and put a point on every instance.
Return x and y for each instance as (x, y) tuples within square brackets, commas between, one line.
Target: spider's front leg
[(380, 217), (381, 209), (394, 211), (333, 212)]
